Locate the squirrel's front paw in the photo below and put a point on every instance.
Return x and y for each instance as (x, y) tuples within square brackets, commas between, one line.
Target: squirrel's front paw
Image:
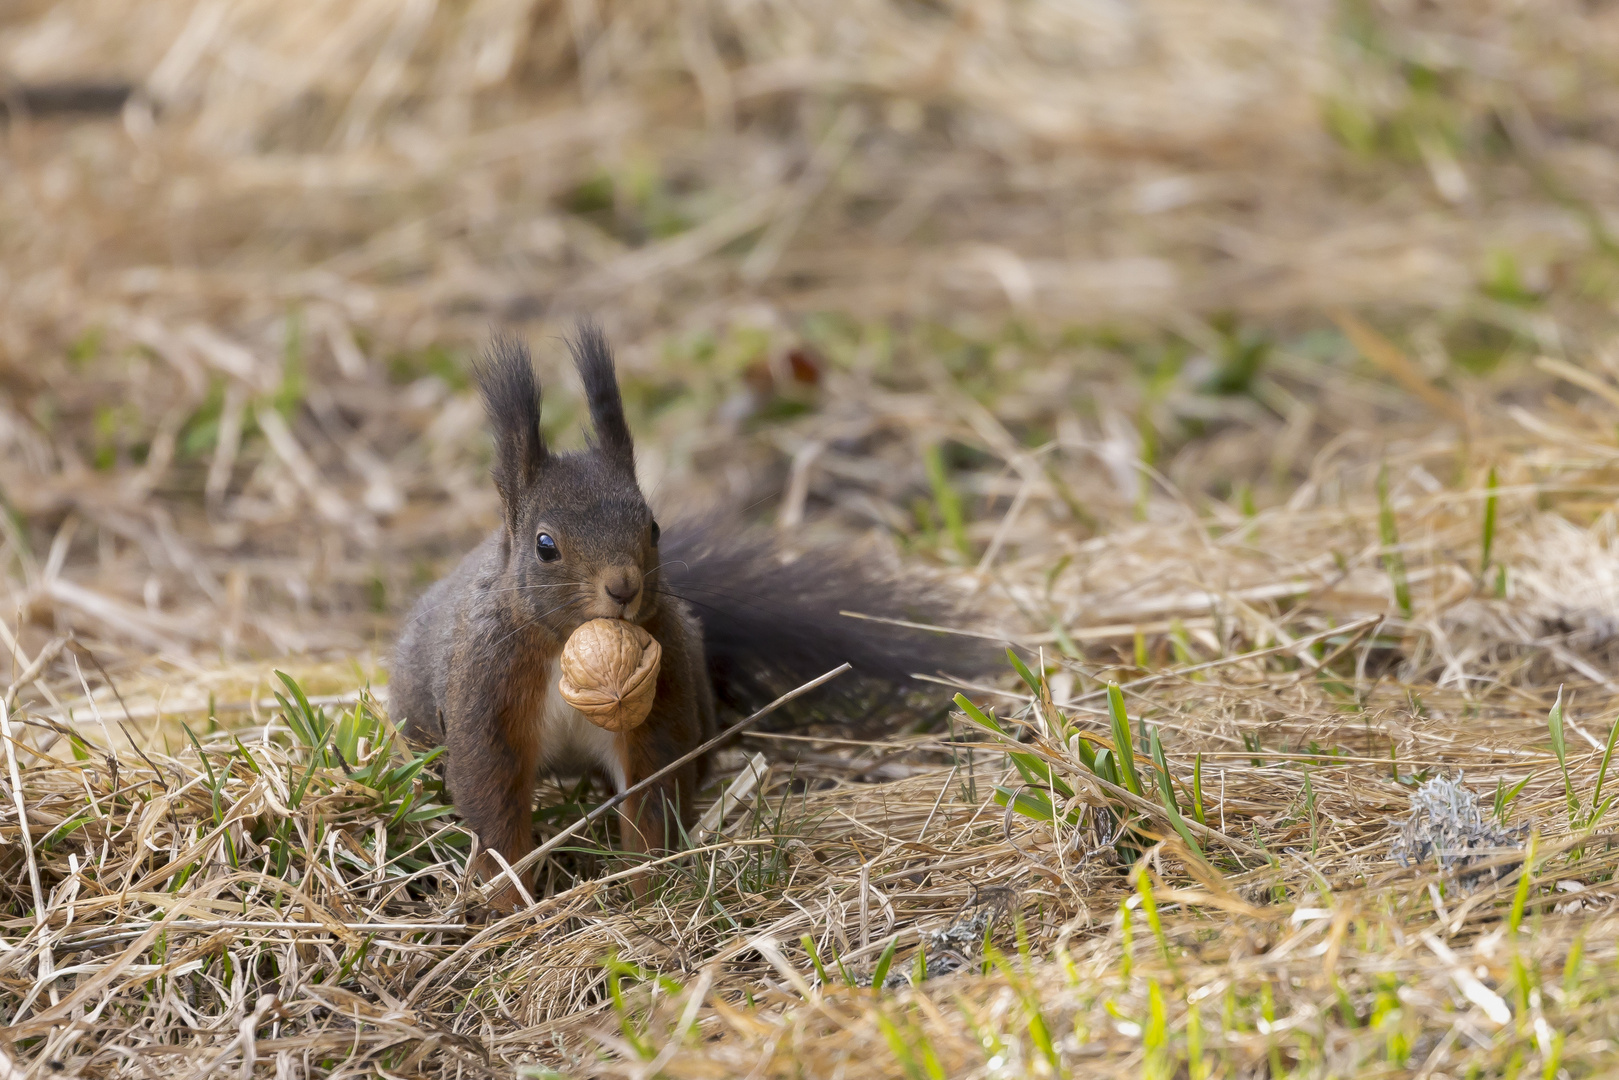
[(506, 901)]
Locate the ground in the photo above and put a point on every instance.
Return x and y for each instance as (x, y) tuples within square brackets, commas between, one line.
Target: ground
[(1256, 360)]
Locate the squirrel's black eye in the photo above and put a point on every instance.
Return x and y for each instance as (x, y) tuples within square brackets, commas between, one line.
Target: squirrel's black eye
[(656, 532), (547, 548)]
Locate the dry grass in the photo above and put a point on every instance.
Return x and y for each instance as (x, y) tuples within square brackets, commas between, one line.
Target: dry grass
[(186, 895), (1074, 282)]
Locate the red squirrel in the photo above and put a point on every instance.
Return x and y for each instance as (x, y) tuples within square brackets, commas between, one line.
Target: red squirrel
[(476, 667)]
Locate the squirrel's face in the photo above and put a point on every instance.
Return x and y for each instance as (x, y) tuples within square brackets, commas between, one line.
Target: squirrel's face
[(586, 546), (581, 543)]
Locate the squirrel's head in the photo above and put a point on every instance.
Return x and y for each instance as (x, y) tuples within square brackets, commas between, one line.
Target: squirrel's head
[(581, 541)]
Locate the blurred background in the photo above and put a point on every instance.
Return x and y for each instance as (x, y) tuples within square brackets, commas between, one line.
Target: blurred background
[(972, 281)]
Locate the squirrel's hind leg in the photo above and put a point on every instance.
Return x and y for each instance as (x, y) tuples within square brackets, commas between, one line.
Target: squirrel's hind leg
[(682, 716), (655, 820)]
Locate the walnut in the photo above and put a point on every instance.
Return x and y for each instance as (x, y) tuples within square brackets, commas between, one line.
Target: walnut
[(609, 671)]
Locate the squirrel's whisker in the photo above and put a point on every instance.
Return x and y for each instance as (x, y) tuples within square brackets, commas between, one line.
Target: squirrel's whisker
[(721, 594), (423, 610), (536, 619)]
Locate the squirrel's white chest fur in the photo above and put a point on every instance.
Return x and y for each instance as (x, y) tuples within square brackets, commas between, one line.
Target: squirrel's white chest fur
[(569, 743)]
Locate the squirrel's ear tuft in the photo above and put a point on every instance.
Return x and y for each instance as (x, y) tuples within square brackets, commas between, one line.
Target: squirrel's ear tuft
[(512, 399), (595, 363)]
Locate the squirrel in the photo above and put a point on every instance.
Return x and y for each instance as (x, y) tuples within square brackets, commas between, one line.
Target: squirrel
[(476, 667)]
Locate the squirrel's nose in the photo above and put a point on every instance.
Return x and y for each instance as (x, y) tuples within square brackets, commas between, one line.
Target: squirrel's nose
[(623, 586)]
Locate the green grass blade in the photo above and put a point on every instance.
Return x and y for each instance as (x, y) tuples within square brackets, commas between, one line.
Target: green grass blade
[(295, 720), (1487, 541), (1554, 723), (1180, 826), (1033, 803), (1024, 673), (1389, 533), (977, 715), (1121, 738), (246, 757), (1035, 772), (815, 958), (1166, 792), (303, 785), (1081, 747), (428, 813), (879, 974), (1599, 811), (948, 501), (898, 1047), (1607, 756), (314, 721), (1511, 796), (1105, 767), (215, 784), (381, 757), (404, 774), (1520, 896), (1309, 805), (207, 765), (1155, 751), (1197, 1068), (346, 737), (837, 960), (1197, 791)]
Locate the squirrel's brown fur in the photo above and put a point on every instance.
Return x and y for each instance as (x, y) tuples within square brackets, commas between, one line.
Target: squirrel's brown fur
[(476, 665)]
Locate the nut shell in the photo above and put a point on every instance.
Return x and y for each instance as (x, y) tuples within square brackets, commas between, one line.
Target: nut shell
[(609, 672)]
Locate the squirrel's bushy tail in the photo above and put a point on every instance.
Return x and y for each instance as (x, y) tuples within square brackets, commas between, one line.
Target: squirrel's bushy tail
[(772, 622)]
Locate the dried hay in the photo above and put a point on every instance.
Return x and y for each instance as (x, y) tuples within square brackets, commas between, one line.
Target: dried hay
[(170, 905), (233, 425)]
